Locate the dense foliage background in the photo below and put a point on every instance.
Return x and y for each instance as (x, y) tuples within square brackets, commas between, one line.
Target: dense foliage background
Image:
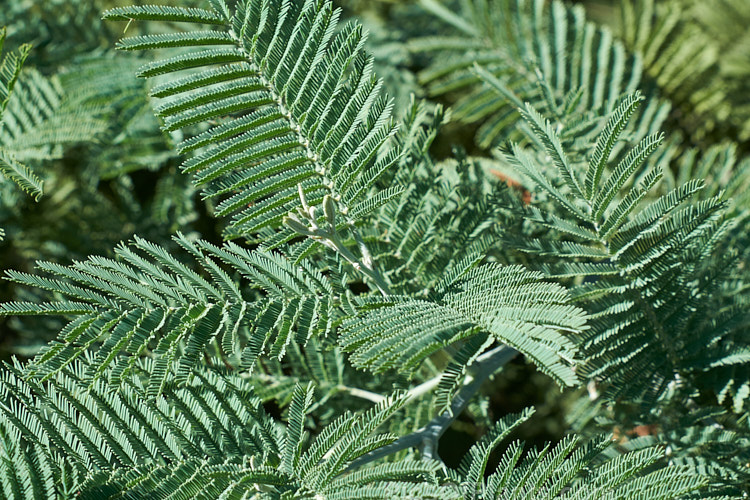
[(111, 172)]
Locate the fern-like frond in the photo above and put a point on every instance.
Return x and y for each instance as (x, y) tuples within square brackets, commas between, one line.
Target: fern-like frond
[(98, 429), (235, 478), (148, 302), (290, 100), (133, 140), (645, 263), (39, 121), (709, 441), (295, 469), (696, 53), (445, 219), (22, 175), (505, 52), (723, 169), (510, 303), (32, 474), (471, 470), (567, 470), (10, 68)]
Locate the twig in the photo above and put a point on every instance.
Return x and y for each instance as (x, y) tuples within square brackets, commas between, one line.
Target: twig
[(305, 223), (424, 387), (361, 393), (414, 393), (427, 437)]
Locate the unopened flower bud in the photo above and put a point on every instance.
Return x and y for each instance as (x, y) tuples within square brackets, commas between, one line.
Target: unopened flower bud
[(293, 223), (329, 209), (302, 198)]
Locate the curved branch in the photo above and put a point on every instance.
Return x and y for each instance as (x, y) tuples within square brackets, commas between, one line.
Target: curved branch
[(428, 437)]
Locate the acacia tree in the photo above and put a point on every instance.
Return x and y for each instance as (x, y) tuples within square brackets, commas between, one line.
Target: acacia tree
[(364, 279)]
